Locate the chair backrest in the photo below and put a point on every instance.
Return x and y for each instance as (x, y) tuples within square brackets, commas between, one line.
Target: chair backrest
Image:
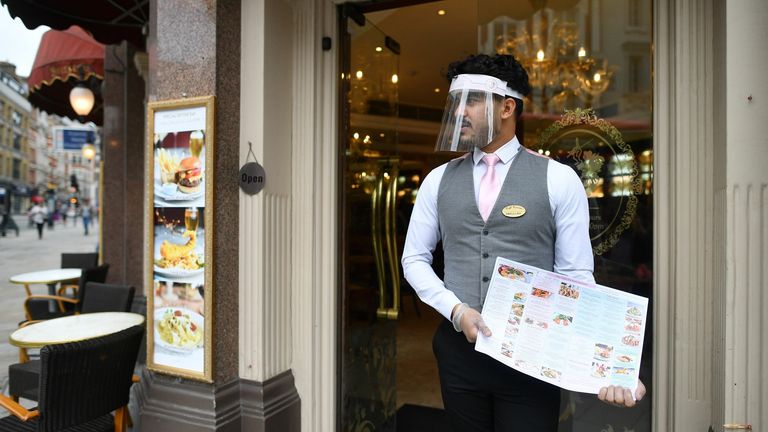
[(100, 297), (94, 274), (81, 381), (79, 260)]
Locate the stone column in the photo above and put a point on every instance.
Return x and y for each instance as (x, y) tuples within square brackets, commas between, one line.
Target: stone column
[(123, 153), (194, 50)]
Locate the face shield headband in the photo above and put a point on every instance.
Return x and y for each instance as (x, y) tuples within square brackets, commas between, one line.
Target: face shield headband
[(469, 119)]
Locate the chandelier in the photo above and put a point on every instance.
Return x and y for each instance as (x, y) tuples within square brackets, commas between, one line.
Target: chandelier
[(560, 71)]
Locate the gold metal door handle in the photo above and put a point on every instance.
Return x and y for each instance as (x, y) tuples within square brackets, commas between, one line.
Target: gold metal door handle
[(378, 253), (737, 426), (390, 230), (390, 241)]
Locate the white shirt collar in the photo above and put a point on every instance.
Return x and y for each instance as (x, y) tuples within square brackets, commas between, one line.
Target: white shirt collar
[(505, 152)]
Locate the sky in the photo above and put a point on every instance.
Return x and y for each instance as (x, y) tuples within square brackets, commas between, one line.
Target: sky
[(18, 45)]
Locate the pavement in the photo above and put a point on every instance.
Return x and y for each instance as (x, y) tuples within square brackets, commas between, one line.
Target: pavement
[(26, 253)]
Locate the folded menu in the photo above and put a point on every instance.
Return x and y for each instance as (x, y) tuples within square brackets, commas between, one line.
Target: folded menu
[(575, 335)]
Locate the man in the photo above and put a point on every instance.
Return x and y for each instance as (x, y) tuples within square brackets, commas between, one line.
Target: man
[(85, 211), (38, 213), (460, 203)]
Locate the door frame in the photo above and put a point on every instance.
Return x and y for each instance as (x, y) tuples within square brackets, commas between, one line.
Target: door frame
[(315, 192)]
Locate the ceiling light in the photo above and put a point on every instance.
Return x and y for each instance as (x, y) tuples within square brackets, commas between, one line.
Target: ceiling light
[(437, 89), (379, 49), (359, 74), (441, 12), (394, 79)]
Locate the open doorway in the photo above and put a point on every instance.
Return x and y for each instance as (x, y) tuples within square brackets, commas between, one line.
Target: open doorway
[(579, 54)]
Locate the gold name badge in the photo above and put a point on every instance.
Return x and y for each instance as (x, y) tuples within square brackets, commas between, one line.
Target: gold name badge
[(513, 211)]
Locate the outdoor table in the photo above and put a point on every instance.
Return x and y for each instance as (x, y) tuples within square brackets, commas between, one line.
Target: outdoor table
[(71, 328), (48, 277)]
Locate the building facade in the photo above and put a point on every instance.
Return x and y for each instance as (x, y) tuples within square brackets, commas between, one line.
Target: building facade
[(15, 118)]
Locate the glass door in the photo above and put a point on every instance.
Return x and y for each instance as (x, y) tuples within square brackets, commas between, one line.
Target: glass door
[(370, 282)]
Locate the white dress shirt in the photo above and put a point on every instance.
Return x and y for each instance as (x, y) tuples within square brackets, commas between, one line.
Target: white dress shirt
[(567, 199)]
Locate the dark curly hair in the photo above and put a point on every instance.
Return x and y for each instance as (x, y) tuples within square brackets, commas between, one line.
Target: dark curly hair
[(502, 66)]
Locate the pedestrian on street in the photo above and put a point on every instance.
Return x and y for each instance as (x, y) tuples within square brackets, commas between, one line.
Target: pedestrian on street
[(457, 204), (64, 214), (71, 214), (85, 212), (38, 214)]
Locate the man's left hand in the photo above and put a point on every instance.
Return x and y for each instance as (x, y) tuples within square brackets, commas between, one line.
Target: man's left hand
[(621, 396)]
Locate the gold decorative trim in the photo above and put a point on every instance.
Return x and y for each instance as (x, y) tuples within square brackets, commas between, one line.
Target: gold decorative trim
[(209, 103), (64, 79), (587, 117)]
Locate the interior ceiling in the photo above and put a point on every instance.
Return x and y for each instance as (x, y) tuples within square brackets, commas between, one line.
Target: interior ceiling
[(429, 42)]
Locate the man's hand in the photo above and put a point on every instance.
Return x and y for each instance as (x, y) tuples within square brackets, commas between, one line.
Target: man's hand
[(620, 396), (471, 323)]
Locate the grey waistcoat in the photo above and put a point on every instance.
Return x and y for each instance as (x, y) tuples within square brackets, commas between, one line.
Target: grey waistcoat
[(471, 245)]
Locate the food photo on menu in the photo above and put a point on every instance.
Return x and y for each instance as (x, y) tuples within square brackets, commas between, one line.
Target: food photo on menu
[(179, 246), (179, 288), (179, 169), (179, 338)]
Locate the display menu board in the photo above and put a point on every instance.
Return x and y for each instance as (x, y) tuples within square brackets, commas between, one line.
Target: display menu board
[(180, 157)]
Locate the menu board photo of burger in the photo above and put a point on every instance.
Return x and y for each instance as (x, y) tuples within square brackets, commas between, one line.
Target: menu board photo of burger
[(179, 169), (180, 142)]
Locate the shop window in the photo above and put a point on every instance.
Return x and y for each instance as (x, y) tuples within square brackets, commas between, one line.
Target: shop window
[(16, 118), (579, 58), (16, 173)]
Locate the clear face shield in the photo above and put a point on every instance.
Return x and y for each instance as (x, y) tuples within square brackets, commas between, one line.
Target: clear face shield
[(471, 117)]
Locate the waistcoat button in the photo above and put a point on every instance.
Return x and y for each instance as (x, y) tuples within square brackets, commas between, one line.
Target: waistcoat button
[(485, 255), (485, 232), (485, 279)]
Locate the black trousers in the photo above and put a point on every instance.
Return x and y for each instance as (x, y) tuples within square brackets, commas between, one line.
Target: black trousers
[(482, 394)]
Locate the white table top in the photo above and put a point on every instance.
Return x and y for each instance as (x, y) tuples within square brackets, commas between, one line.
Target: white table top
[(73, 328), (47, 276)]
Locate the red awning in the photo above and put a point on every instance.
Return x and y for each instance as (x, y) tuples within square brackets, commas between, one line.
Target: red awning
[(63, 59), (110, 22)]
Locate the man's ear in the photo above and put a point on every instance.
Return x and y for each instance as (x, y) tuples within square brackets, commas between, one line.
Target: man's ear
[(508, 108)]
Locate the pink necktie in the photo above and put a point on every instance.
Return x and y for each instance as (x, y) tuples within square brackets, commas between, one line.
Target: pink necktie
[(489, 187)]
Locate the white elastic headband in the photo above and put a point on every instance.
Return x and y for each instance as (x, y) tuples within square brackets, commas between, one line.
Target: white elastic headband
[(483, 83)]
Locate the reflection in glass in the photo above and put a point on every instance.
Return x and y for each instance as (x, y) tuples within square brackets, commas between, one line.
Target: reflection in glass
[(579, 55)]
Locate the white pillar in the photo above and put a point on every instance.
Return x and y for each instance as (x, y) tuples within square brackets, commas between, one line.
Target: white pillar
[(685, 217), (315, 213), (744, 104), (265, 219), (288, 244)]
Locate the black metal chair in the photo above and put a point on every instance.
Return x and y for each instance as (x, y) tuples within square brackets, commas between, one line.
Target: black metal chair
[(23, 377), (37, 307), (81, 383), (77, 260)]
